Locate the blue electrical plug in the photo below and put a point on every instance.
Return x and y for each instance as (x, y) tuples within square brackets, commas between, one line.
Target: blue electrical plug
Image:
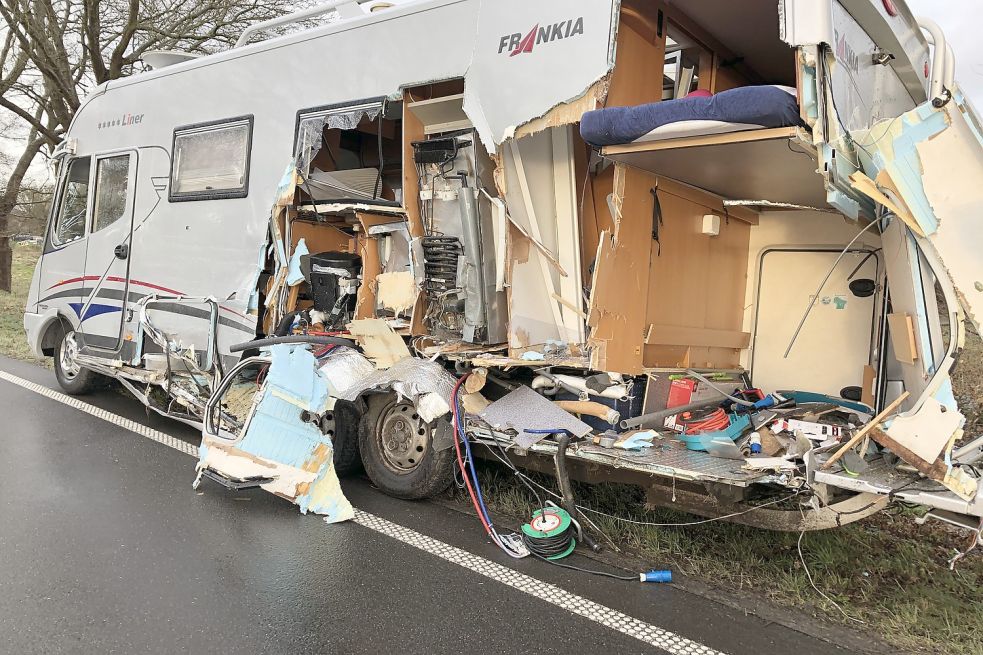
[(655, 576)]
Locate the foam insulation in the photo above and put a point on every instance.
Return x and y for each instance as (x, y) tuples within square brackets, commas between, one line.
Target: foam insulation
[(932, 160), (279, 443), (397, 291)]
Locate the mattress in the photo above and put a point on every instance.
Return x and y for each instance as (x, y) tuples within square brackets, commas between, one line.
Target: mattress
[(743, 108)]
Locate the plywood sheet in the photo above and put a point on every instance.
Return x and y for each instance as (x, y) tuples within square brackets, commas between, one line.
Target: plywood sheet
[(380, 343)]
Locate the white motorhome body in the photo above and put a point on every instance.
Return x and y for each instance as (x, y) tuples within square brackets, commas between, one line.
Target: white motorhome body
[(441, 136)]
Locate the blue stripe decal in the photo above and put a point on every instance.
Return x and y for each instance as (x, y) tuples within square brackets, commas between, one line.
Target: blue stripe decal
[(93, 310)]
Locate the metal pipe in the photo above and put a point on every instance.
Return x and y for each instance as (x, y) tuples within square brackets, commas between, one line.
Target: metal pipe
[(295, 17), (938, 91), (652, 417), (297, 338), (589, 408)]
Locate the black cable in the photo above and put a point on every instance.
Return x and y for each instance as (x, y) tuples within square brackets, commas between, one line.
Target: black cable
[(378, 181), (632, 578)]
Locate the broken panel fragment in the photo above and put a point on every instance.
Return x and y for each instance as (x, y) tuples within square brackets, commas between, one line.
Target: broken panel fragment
[(282, 449)]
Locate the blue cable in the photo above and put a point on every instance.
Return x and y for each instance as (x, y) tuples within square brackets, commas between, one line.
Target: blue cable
[(467, 448)]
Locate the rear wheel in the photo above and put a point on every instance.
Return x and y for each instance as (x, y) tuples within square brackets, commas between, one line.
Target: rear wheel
[(341, 425), (72, 377), (397, 450)]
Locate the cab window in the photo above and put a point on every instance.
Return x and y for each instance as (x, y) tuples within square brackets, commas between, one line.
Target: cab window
[(112, 179), (74, 205)]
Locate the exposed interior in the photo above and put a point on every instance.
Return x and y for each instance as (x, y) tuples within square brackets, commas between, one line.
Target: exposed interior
[(641, 261)]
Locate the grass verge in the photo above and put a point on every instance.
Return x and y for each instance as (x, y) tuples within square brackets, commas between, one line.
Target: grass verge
[(13, 342)]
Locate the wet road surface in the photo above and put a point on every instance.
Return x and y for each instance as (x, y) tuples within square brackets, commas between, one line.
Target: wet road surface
[(105, 547)]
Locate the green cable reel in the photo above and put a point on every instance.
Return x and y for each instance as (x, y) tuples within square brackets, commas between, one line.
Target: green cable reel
[(551, 525)]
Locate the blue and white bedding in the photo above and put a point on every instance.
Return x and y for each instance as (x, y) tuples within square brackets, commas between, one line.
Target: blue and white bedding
[(743, 108)]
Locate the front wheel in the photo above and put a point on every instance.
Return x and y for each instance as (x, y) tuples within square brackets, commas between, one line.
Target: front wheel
[(397, 448), (72, 377)]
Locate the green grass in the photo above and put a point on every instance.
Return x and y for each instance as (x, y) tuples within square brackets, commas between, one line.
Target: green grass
[(887, 571), (13, 342)]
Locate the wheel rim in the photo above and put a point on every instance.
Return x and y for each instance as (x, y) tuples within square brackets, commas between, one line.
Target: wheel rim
[(68, 356), (403, 437)]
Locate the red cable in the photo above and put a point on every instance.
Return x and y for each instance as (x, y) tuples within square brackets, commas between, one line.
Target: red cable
[(460, 459), (714, 422)]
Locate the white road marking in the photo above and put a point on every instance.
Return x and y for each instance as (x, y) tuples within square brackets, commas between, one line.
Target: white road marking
[(606, 616)]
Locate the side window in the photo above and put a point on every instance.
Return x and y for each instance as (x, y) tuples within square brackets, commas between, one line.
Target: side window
[(211, 160), (351, 153), (70, 221), (112, 179)]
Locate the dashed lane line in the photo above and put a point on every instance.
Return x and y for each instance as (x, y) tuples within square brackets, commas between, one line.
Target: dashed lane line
[(618, 621)]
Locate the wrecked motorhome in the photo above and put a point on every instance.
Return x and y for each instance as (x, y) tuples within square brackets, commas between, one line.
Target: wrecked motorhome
[(724, 251)]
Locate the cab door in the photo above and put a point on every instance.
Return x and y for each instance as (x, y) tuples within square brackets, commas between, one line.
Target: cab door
[(61, 279), (108, 253)]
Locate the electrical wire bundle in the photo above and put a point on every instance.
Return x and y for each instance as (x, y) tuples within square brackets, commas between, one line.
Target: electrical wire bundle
[(510, 544), (549, 536), (712, 421)]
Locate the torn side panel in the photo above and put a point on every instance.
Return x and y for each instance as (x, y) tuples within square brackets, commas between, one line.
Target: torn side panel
[(281, 448), (565, 45), (931, 160)]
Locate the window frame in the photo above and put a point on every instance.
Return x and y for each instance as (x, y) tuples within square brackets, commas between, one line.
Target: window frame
[(337, 107), (219, 194), (131, 168), (60, 201)]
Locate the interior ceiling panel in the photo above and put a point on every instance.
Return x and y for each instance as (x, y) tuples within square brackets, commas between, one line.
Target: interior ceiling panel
[(749, 29)]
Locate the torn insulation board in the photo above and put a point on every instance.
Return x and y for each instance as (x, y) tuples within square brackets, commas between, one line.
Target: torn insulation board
[(931, 159), (282, 443), (379, 341)]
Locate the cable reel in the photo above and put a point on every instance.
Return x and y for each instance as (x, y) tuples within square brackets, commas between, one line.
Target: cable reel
[(550, 533)]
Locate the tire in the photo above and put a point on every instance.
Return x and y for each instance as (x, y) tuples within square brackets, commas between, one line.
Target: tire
[(72, 378), (397, 450), (341, 424)]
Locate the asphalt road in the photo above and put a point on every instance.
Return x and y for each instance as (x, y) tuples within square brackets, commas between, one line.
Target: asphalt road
[(105, 547)]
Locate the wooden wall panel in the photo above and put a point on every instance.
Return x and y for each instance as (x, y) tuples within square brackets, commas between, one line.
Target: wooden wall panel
[(697, 281)]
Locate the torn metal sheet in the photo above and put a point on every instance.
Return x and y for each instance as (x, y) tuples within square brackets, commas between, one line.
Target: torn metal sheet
[(282, 442), (424, 383), (524, 409), (565, 45), (342, 367)]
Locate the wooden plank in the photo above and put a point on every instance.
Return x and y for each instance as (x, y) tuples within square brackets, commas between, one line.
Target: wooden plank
[(412, 131), (766, 134), (675, 335), (903, 337), (862, 432), (867, 390), (932, 470), (381, 344)]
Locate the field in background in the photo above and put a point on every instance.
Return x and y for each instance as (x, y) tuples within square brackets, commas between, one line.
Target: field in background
[(887, 571), (12, 341)]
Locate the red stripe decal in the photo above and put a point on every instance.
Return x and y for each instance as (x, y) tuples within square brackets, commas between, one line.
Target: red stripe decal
[(89, 278)]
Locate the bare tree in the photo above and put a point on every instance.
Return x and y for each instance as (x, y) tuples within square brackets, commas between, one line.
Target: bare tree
[(54, 51)]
